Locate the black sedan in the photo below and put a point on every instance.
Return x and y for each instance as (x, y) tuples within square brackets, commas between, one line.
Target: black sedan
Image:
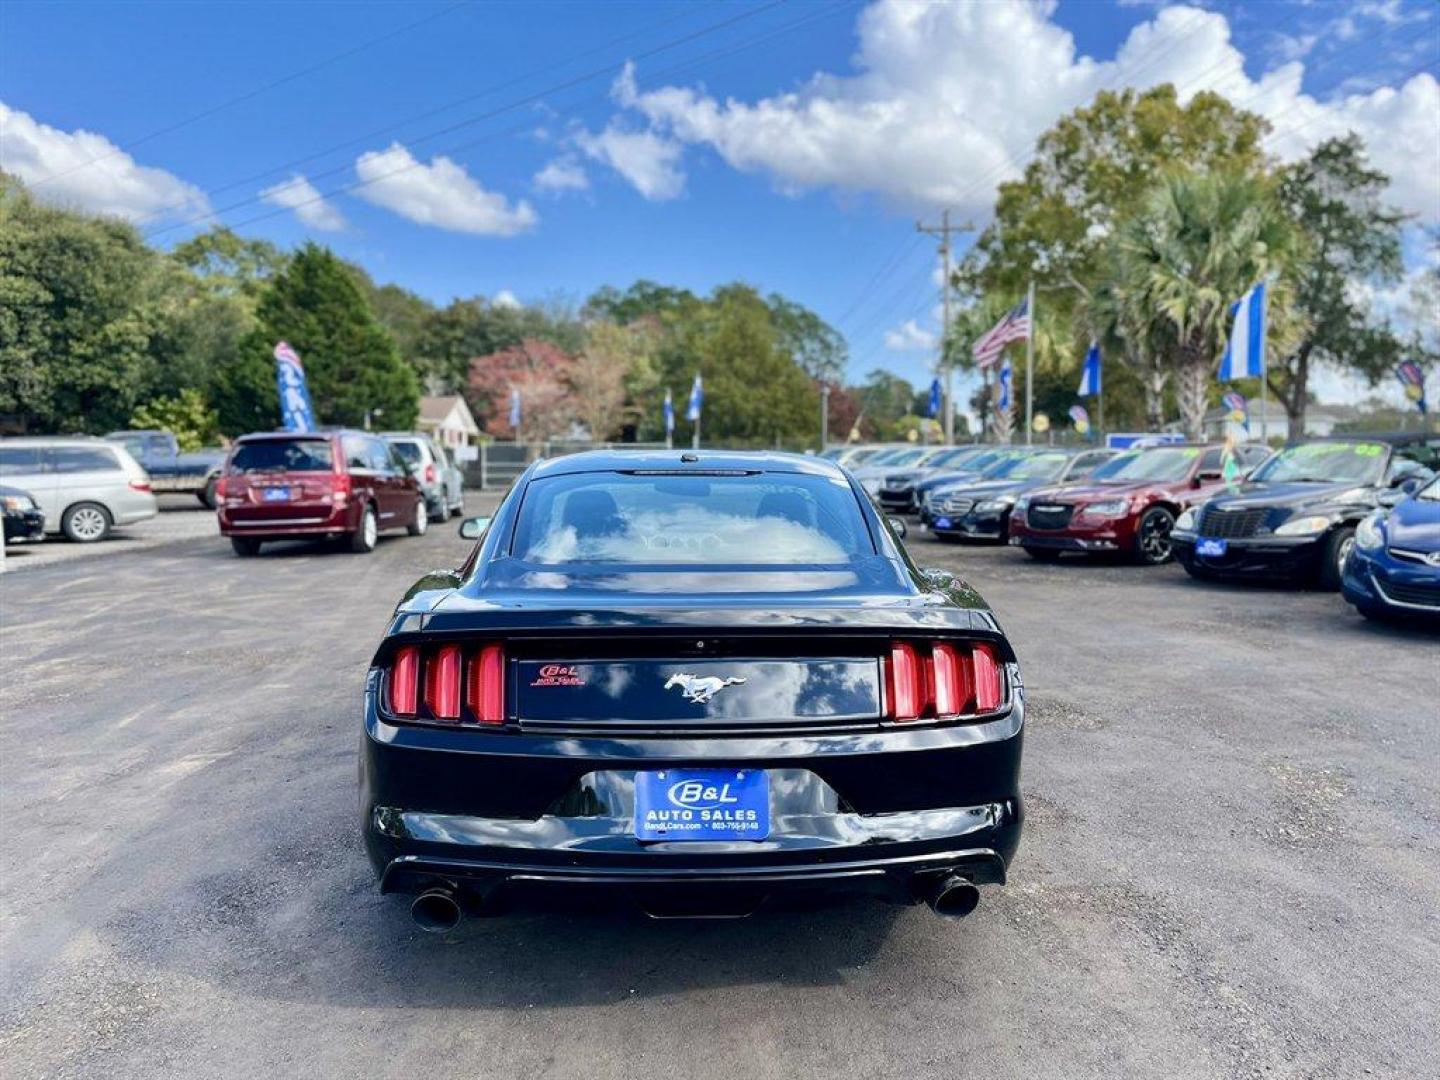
[(696, 682), (980, 510), (1295, 518), (24, 520)]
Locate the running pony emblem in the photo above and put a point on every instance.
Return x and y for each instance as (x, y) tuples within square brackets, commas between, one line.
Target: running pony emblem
[(700, 689)]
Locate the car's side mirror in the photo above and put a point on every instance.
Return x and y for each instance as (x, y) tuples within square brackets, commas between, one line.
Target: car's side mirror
[(1207, 475), (473, 528), (898, 524), (1390, 497)]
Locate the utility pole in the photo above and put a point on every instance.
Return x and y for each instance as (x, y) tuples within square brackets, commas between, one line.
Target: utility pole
[(1030, 362), (943, 231)]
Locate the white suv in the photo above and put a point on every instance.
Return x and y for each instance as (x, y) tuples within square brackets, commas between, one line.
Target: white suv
[(84, 486)]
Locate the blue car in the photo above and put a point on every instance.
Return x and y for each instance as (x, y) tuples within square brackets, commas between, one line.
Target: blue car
[(1393, 569)]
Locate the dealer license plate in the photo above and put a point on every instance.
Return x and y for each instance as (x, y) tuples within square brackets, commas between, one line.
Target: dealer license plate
[(1213, 549), (277, 494), (943, 523), (702, 804)]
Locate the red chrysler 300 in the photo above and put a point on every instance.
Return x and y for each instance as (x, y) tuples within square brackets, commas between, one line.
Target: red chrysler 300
[(1132, 510)]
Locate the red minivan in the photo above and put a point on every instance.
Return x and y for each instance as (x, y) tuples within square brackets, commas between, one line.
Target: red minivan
[(293, 486)]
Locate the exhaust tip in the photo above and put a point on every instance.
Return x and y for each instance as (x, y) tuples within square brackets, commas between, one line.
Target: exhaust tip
[(954, 897), (436, 911)]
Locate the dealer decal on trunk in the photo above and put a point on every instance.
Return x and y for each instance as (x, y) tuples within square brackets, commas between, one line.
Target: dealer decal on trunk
[(558, 675)]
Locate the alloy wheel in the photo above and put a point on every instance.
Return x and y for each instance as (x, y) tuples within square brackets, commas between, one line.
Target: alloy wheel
[(1155, 537), (372, 530), (1342, 553), (87, 524)]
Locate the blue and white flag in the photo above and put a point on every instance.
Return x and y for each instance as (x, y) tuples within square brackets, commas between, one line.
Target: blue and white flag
[(296, 412), (515, 408), (669, 414), (1245, 355), (933, 409), (1090, 375), (1005, 377), (697, 398)]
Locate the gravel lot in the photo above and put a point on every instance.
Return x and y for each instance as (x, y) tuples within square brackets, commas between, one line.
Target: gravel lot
[(1231, 865)]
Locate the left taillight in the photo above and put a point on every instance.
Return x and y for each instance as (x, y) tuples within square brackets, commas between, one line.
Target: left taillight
[(448, 683), (942, 680), (139, 485)]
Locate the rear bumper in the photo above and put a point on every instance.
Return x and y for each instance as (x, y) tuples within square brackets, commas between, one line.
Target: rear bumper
[(1281, 558), (307, 520), (880, 812)]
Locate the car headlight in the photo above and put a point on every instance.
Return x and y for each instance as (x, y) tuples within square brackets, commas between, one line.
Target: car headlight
[(18, 502), (991, 505), (1305, 526), (1368, 534), (1108, 508), (1187, 521)]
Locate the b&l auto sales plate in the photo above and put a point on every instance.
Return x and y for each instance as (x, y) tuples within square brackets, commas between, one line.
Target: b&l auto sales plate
[(702, 804)]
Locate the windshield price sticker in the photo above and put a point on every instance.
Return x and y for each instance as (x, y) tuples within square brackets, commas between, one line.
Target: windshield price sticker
[(702, 804)]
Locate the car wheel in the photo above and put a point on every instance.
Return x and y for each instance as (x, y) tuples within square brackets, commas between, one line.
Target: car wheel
[(207, 496), (86, 523), (245, 546), (419, 520), (364, 539), (1199, 573), (1152, 536), (1043, 554), (1332, 560)]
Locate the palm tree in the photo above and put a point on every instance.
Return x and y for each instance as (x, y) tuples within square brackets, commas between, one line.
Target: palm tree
[(1199, 241)]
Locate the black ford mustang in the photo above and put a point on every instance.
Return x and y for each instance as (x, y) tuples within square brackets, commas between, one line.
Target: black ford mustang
[(696, 681)]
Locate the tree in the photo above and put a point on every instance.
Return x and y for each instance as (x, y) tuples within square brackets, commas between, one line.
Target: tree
[(352, 366), (1195, 246), (884, 398), (81, 305), (228, 264), (1352, 239), (193, 423), (814, 344), (617, 374), (541, 372)]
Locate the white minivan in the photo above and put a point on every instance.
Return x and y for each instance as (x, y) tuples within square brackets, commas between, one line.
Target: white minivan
[(85, 486)]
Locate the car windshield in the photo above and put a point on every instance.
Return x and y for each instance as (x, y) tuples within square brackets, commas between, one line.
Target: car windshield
[(1325, 463), (407, 449), (1431, 491), (698, 520), (904, 457), (1114, 465), (950, 458), (282, 455), (1000, 463), (1160, 463), (1038, 467)]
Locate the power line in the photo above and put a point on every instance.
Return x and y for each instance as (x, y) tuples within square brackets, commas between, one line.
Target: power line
[(248, 95), (684, 13), (510, 106)]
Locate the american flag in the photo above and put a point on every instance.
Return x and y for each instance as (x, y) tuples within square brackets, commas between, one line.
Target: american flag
[(1015, 326)]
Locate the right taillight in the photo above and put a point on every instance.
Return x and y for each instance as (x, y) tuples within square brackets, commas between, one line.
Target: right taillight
[(942, 680), (448, 683)]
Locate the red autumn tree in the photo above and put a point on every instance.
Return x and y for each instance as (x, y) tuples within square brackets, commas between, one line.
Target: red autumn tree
[(541, 372)]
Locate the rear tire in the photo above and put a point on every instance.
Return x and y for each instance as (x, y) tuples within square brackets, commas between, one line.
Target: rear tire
[(86, 523), (1043, 554), (1332, 559), (419, 520), (364, 539), (245, 546), (1152, 537), (207, 494)]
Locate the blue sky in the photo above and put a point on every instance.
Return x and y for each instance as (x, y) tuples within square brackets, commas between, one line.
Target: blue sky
[(792, 148)]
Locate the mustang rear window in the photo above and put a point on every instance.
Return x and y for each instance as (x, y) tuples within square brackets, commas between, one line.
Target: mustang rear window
[(772, 518), (282, 455)]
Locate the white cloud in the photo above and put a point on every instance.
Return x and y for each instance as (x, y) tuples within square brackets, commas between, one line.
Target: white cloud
[(933, 114), (441, 193), (562, 174), (87, 171), (646, 158), (505, 299), (310, 207), (909, 336)]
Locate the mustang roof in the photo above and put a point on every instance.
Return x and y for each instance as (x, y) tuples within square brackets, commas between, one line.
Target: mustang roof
[(678, 460)]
